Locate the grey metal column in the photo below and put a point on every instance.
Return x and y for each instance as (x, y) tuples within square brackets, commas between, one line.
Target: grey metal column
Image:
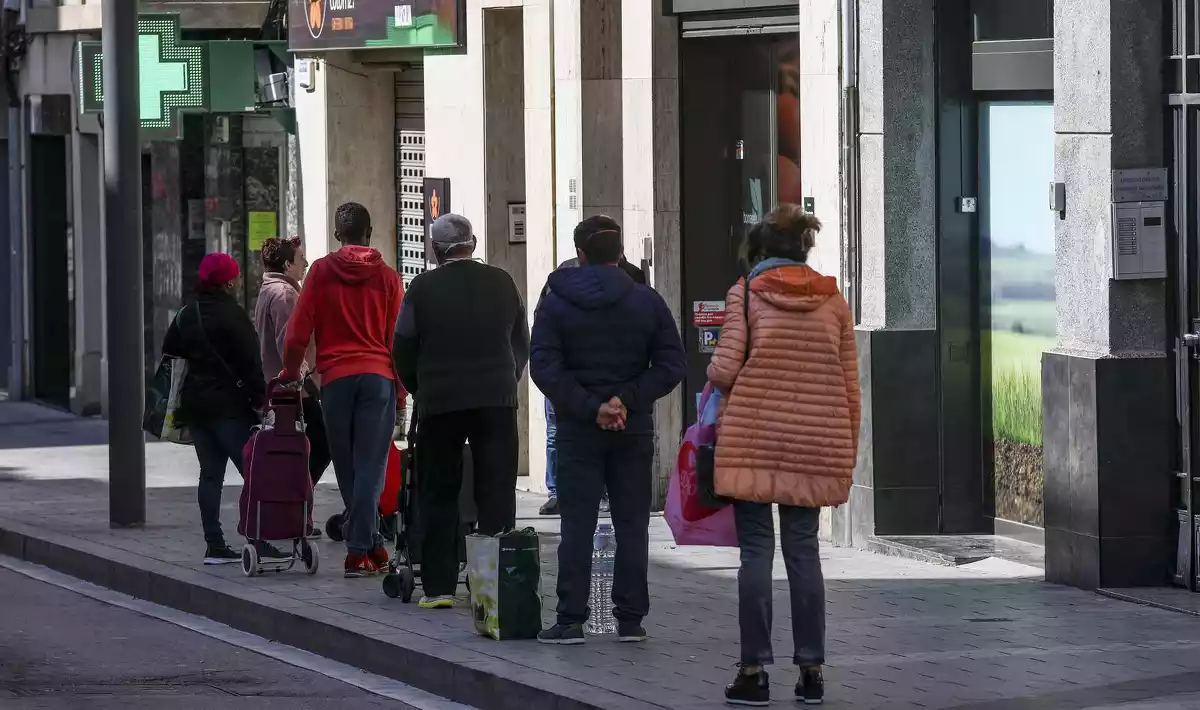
[(16, 235), (123, 252), (16, 246)]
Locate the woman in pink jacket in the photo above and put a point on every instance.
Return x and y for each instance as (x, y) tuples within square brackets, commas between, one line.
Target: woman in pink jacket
[(788, 436), (284, 264)]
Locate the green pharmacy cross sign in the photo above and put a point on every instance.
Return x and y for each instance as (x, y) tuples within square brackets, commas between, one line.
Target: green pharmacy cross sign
[(172, 76)]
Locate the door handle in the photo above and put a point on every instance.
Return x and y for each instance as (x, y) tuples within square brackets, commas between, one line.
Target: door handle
[(1192, 339)]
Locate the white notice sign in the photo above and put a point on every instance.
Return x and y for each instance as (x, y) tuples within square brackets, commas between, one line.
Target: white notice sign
[(403, 15), (1141, 185)]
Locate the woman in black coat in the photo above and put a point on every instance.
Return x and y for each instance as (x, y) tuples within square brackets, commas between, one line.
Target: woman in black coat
[(223, 391)]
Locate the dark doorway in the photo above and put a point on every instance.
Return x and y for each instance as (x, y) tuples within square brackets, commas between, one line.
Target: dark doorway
[(1183, 159), (50, 288), (740, 137)]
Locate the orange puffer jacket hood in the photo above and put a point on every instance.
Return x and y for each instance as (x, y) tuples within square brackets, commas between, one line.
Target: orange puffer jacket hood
[(788, 433)]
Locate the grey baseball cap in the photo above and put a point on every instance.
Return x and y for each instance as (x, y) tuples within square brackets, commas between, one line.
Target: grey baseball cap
[(451, 230)]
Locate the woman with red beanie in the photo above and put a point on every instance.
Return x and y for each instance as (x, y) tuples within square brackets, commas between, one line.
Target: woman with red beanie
[(222, 391)]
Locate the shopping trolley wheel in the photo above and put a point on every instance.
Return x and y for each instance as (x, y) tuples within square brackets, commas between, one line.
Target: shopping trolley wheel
[(310, 556), (250, 560), (408, 584), (333, 527), (391, 585)]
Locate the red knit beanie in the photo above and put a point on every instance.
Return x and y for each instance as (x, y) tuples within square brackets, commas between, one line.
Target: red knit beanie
[(218, 269)]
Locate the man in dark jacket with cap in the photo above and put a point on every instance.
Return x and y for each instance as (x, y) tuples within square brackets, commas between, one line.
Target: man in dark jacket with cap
[(605, 349), (461, 346), (550, 507)]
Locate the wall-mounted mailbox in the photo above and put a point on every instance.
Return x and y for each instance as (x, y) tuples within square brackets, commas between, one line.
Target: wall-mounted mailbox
[(1139, 240)]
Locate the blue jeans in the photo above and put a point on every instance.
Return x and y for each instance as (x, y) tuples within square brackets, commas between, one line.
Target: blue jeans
[(801, 558), (551, 450), (217, 443), (360, 414)]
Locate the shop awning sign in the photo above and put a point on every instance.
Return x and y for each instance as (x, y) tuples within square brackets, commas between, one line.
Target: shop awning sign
[(322, 25), (172, 76)]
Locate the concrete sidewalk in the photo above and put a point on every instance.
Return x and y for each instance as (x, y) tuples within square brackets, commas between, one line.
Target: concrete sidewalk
[(901, 633)]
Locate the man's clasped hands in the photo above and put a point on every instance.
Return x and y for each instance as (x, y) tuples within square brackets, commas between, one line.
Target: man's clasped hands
[(612, 415)]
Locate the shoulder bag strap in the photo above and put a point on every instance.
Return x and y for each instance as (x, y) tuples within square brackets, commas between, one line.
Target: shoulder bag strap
[(746, 317), (208, 344)]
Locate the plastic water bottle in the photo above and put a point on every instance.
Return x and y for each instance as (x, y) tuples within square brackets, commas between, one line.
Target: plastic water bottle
[(604, 555)]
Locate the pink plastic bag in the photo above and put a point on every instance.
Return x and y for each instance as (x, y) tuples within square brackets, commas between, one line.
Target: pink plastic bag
[(691, 522)]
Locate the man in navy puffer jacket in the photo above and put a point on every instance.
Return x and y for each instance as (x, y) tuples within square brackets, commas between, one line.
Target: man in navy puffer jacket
[(604, 349)]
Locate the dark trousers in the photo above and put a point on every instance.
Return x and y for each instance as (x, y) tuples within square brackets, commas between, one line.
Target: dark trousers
[(590, 459), (217, 443), (492, 432), (802, 559), (362, 416), (318, 439)]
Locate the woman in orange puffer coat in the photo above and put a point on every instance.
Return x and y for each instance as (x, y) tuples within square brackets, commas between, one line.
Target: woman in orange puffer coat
[(788, 435)]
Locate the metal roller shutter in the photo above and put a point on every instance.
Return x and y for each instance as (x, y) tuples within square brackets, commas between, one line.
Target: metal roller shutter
[(410, 169)]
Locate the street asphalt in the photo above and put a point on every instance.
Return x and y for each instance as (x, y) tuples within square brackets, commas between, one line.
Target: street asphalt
[(60, 649)]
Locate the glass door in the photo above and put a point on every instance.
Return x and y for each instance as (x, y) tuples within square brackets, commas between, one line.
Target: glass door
[(1017, 319), (740, 137)]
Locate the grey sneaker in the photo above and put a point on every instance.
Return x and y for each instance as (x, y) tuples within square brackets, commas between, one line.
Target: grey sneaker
[(562, 635), (629, 632), (810, 689), (269, 553), (221, 555), (749, 689)]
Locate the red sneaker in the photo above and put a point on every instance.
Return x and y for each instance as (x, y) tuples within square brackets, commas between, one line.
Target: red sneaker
[(359, 565), (379, 558)]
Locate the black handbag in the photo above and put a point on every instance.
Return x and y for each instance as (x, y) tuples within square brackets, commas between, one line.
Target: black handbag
[(706, 456)]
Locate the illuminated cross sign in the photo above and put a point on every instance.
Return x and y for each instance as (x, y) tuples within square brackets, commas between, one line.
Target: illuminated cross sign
[(172, 76)]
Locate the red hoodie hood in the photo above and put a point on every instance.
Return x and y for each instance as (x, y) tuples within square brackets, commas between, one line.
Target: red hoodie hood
[(355, 264)]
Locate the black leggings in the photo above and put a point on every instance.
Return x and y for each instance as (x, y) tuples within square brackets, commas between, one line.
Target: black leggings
[(318, 439)]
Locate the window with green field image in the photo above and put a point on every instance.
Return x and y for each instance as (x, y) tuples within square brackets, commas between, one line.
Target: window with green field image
[(1017, 248)]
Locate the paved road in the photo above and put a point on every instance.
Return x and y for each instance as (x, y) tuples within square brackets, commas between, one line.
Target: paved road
[(59, 649)]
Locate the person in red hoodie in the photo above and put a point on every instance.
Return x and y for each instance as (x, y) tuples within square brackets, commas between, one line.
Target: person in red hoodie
[(349, 305)]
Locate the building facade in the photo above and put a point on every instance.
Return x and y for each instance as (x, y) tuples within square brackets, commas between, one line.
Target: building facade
[(215, 176), (565, 109), (972, 164), (1007, 189)]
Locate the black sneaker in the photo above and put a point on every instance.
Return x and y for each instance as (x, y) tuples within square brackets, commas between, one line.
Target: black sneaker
[(269, 553), (629, 632), (749, 689), (810, 689), (221, 555), (315, 533), (562, 635), (550, 507)]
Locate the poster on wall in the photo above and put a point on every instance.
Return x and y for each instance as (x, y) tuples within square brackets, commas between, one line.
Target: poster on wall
[(261, 226), (708, 313), (436, 199), (1017, 249), (316, 25), (787, 122)]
